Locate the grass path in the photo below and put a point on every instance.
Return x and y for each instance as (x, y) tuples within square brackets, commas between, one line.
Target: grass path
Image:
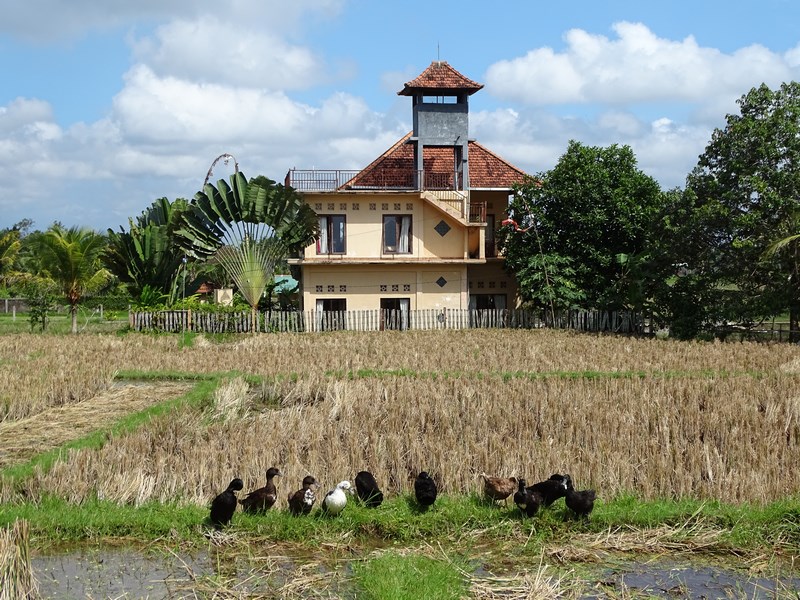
[(23, 439)]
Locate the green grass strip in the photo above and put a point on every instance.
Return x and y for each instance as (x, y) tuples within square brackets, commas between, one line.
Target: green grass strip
[(393, 576), (454, 520)]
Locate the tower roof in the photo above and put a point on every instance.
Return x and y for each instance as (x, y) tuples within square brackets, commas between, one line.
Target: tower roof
[(437, 77)]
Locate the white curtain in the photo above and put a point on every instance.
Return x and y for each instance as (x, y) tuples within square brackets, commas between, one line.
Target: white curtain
[(322, 243), (319, 315), (405, 307), (405, 229)]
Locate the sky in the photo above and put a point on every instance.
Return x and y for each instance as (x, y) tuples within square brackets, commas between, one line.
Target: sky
[(107, 106)]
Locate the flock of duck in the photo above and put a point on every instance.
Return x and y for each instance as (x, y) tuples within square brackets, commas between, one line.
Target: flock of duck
[(527, 498)]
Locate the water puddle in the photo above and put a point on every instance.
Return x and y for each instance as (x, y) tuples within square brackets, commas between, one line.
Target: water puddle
[(672, 579), (121, 573)]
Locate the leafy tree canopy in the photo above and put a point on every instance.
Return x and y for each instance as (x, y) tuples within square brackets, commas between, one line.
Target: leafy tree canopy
[(746, 187), (581, 228)]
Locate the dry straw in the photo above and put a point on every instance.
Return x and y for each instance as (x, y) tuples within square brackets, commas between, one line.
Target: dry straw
[(663, 419), (16, 575)]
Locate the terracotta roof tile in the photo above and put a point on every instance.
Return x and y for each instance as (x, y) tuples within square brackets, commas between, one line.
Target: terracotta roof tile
[(440, 76), (395, 167)]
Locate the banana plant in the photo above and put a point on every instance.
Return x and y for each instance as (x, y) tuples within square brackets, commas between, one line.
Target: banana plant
[(147, 256)]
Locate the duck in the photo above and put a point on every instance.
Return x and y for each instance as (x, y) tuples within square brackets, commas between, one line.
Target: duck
[(425, 489), (224, 504), (498, 488), (550, 489), (262, 499), (367, 489), (579, 502), (301, 501), (527, 501), (335, 500)]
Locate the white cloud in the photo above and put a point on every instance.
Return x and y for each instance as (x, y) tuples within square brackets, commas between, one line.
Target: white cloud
[(637, 66), (209, 49)]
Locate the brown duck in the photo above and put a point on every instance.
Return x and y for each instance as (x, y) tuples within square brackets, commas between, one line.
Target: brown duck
[(498, 488), (262, 499)]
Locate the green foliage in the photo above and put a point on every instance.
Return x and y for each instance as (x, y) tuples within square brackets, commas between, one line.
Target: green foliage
[(41, 295), (151, 298), (594, 205), (395, 576), (10, 246), (747, 190), (224, 215), (248, 227), (147, 255), (550, 281), (71, 258)]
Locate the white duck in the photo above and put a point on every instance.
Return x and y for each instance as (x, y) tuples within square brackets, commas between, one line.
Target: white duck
[(335, 500)]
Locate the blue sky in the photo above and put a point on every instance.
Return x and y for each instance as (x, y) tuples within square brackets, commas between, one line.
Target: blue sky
[(105, 107)]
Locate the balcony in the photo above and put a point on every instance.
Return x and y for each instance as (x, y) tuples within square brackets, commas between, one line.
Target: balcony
[(438, 185), (377, 179)]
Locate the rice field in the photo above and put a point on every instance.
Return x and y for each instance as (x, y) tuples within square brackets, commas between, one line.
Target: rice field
[(651, 418)]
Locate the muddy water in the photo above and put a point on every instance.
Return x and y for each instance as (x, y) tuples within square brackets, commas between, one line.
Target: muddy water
[(116, 573), (672, 579), (128, 573)]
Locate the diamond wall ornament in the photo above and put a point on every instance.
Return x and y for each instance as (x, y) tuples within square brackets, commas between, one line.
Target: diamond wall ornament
[(442, 228), (441, 282)]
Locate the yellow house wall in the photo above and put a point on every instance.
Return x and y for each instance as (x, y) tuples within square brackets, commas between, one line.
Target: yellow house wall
[(364, 226), (451, 245), (362, 285), (491, 278)]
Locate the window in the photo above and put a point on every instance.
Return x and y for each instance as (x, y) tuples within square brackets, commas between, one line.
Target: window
[(394, 313), (331, 234), (487, 301), (331, 314), (397, 234), (487, 310)]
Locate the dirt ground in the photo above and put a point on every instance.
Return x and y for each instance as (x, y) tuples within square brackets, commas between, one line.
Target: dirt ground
[(23, 439)]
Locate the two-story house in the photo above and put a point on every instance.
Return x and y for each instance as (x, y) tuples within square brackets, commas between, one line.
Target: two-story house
[(415, 229)]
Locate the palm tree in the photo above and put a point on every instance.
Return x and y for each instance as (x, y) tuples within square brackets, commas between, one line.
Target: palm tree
[(71, 257), (791, 244), (10, 245), (248, 227)]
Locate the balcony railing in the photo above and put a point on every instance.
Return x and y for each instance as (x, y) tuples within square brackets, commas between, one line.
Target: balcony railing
[(383, 179)]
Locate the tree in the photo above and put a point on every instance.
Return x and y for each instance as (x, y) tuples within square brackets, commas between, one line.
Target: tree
[(248, 227), (71, 257), (574, 223), (790, 244), (147, 256), (10, 245), (747, 183)]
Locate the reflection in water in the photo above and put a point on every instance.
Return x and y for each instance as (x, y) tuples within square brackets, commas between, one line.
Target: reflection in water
[(668, 579), (111, 572)]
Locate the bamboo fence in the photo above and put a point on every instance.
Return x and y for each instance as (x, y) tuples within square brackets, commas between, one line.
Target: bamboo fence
[(177, 321)]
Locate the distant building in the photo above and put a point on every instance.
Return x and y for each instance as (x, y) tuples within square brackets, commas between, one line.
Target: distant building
[(415, 229)]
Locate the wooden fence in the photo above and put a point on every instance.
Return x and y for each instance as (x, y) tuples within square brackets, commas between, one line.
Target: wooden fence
[(379, 320)]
